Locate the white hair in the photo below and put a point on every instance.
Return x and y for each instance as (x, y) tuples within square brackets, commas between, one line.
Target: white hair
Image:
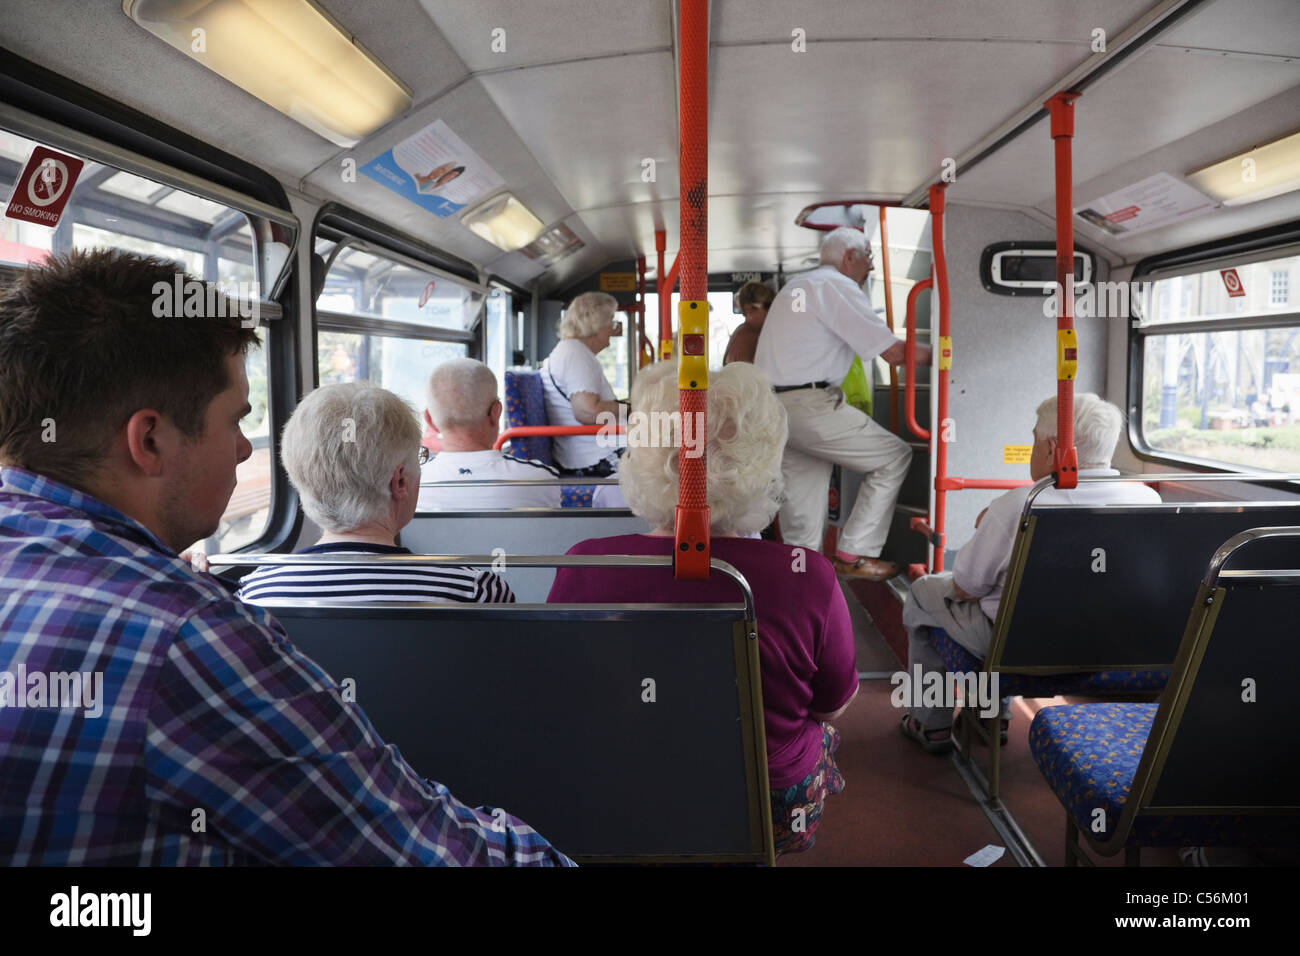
[(587, 314), (460, 392), (1097, 424), (839, 241), (341, 447), (745, 438)]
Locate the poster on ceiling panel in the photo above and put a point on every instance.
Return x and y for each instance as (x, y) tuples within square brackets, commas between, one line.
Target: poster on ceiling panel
[(1156, 201), (436, 170)]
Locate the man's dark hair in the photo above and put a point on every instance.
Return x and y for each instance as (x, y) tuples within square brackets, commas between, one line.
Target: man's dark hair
[(82, 347)]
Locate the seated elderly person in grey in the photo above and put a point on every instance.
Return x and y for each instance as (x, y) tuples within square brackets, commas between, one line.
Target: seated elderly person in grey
[(464, 408), (964, 602), (352, 452)]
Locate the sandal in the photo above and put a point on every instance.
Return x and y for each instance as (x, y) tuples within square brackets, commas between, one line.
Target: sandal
[(912, 729)]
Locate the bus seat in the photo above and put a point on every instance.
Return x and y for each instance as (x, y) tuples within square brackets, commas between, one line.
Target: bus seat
[(516, 532), (1205, 766), (526, 405), (1096, 597), (622, 733)]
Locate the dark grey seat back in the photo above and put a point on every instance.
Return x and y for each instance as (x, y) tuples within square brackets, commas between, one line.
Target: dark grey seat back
[(1231, 747), (1062, 613), (548, 714)]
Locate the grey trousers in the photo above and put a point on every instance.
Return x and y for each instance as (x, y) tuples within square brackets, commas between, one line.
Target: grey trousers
[(933, 604)]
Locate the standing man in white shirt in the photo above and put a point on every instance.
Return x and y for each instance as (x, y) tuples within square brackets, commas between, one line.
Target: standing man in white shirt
[(815, 327), (575, 385), (964, 601)]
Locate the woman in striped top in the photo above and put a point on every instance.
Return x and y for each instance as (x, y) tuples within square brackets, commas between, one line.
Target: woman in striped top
[(352, 454)]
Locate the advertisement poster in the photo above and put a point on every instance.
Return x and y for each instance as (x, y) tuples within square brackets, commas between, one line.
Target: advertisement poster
[(1154, 202), (436, 170)]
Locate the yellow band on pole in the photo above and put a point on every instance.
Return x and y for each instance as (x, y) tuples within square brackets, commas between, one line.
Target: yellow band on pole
[(1067, 354), (945, 352), (693, 334)]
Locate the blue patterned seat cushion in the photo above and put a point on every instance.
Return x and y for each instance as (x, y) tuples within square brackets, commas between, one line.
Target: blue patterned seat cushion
[(526, 405), (1089, 754), (576, 496), (1104, 683)]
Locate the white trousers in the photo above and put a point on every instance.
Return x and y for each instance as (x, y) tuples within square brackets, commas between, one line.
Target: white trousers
[(825, 430), (933, 603)]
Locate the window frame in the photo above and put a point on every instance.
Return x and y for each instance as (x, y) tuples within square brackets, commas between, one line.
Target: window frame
[(44, 106), (350, 229), (1273, 242)]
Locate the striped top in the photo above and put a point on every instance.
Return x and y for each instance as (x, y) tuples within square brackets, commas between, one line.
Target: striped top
[(341, 583), (201, 703)]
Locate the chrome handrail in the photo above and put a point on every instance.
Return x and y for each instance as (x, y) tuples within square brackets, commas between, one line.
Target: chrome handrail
[(484, 561), (1240, 540), (1050, 481)]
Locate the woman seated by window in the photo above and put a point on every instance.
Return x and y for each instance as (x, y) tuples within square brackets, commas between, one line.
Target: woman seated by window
[(805, 637), (353, 454)]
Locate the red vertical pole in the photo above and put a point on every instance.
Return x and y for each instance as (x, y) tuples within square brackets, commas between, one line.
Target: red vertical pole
[(663, 292), (889, 318), (1066, 461), (691, 540), (644, 355), (943, 350)]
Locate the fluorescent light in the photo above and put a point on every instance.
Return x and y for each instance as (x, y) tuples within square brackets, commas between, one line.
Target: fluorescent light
[(1273, 169), (287, 53), (503, 221)]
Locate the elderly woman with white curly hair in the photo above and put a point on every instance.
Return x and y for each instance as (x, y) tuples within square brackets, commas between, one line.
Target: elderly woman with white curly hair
[(353, 454), (575, 385), (805, 636)]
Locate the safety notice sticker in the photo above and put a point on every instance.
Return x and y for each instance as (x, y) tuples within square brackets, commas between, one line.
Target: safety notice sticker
[(43, 188), (1016, 454)]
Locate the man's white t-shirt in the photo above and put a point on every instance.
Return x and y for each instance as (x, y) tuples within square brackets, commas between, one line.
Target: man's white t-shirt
[(816, 325), (572, 368), (981, 566), (470, 465)]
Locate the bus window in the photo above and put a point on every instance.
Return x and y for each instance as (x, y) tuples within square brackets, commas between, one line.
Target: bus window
[(1220, 367), (113, 208), (388, 322)]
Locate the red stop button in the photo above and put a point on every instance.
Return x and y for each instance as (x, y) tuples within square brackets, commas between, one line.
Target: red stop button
[(693, 344)]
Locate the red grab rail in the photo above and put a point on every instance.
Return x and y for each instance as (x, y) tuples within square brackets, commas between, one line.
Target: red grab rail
[(691, 526), (527, 431), (979, 484), (889, 319), (1066, 460), (943, 351), (909, 361)]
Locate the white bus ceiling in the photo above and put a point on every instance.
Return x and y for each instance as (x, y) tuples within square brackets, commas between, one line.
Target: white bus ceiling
[(885, 91)]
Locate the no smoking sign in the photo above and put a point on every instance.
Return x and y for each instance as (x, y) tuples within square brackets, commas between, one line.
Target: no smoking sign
[(43, 188)]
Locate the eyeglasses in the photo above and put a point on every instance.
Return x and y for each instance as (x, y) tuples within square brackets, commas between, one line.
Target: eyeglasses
[(618, 328), (424, 455)]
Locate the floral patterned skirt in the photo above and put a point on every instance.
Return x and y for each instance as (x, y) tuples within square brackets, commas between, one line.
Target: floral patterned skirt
[(797, 809)]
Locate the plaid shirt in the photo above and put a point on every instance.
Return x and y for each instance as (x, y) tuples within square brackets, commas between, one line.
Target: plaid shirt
[(218, 743)]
